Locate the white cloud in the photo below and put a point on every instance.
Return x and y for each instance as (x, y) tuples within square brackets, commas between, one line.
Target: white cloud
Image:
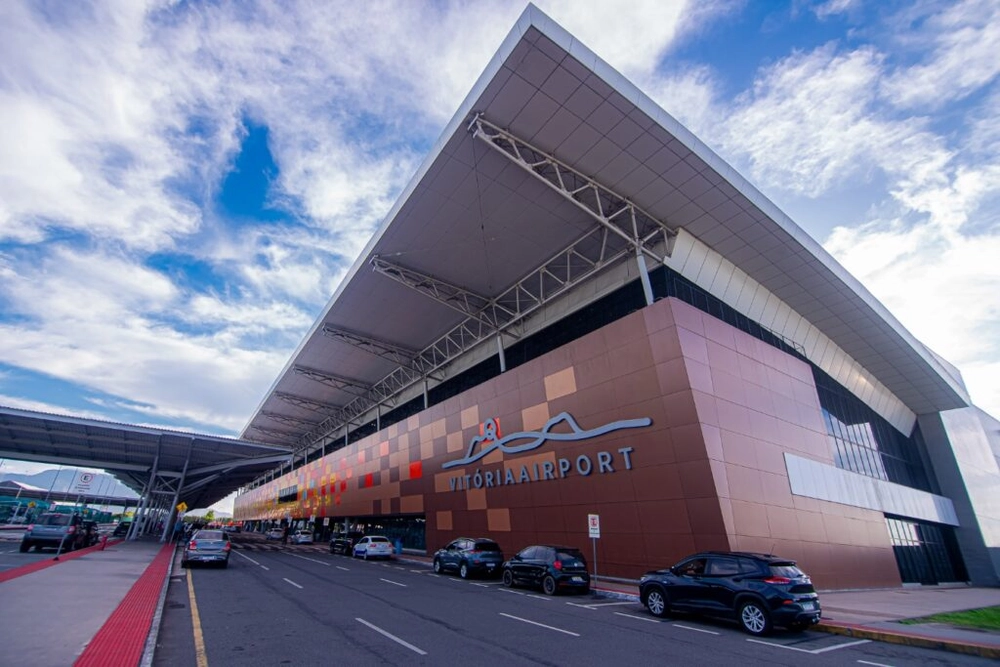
[(964, 39)]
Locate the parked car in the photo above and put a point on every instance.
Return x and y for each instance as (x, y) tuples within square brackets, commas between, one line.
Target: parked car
[(301, 537), (121, 530), (343, 543), (757, 590), (274, 534), (469, 556), (52, 529), (207, 546), (373, 546), (552, 568)]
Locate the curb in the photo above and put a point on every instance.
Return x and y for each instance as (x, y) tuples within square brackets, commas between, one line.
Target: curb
[(920, 641)]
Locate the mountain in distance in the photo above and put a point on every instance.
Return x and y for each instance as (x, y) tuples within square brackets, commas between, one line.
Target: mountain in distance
[(63, 481)]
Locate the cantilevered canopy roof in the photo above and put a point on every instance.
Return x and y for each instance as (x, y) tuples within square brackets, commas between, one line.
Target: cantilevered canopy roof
[(204, 468), (551, 175)]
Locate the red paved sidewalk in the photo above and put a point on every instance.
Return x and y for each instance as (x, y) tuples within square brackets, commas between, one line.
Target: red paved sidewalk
[(122, 638)]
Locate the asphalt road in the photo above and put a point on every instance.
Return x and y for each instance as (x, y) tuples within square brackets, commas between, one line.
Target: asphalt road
[(297, 605)]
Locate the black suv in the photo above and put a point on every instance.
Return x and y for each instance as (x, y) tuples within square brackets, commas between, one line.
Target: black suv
[(757, 590), (343, 543), (553, 568), (469, 556)]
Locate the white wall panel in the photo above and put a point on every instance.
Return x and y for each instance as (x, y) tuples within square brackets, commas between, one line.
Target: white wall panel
[(822, 481), (697, 262)]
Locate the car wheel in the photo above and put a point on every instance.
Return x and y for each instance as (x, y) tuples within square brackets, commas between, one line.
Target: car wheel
[(549, 585), (754, 619), (508, 579), (437, 566), (184, 564), (25, 546), (656, 603), (364, 556), (463, 570)]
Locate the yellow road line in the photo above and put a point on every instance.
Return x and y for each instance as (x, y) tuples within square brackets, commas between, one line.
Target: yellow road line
[(199, 638)]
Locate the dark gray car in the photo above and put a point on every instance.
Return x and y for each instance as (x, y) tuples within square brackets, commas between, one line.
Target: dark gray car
[(53, 529), (469, 556)]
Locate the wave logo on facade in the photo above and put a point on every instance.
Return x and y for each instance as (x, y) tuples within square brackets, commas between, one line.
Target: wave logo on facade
[(485, 444)]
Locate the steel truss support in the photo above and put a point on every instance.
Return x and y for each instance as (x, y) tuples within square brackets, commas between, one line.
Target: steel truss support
[(290, 421), (611, 210), (623, 230)]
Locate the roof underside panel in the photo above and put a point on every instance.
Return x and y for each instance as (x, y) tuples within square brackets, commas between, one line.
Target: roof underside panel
[(475, 220)]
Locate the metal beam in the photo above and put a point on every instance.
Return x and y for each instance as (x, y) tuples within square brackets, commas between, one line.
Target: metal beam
[(287, 420), (72, 461), (611, 210), (330, 380), (239, 463)]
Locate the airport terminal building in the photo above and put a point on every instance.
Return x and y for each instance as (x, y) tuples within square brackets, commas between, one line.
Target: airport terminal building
[(576, 308)]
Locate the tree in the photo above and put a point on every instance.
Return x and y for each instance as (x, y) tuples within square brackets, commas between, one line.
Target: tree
[(210, 516)]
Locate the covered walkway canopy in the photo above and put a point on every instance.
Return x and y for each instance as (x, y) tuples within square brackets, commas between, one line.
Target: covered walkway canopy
[(164, 467)]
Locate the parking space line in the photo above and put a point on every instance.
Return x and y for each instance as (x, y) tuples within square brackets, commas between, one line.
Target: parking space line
[(598, 605), (816, 651), (423, 572), (875, 664), (292, 582), (638, 618), (840, 646), (389, 581), (391, 636), (480, 585), (507, 590), (541, 625), (688, 627), (345, 569)]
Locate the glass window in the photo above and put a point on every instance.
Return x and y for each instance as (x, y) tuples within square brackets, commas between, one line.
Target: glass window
[(722, 567)]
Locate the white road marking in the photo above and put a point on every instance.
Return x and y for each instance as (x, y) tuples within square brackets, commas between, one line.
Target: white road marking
[(507, 590), (247, 557), (343, 568), (688, 627), (814, 651), (541, 625), (598, 605), (391, 636), (539, 597), (423, 571), (638, 618), (482, 585), (399, 567), (265, 567), (876, 664), (311, 560), (292, 582), (840, 646), (389, 581)]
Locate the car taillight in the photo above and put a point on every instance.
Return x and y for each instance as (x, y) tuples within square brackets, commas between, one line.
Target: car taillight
[(557, 564), (30, 527), (192, 544), (227, 547), (72, 529), (777, 580)]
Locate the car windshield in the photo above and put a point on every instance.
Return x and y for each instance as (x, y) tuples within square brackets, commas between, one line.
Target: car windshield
[(487, 546), (54, 519), (210, 535)]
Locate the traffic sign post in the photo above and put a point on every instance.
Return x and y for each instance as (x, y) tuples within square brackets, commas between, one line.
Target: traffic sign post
[(594, 527)]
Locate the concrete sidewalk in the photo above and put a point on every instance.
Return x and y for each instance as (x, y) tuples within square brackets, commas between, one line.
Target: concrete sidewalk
[(54, 612)]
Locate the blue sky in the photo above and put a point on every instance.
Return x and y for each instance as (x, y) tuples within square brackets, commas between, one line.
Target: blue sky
[(184, 184)]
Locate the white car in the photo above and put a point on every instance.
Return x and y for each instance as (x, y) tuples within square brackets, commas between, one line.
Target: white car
[(373, 546), (301, 537)]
